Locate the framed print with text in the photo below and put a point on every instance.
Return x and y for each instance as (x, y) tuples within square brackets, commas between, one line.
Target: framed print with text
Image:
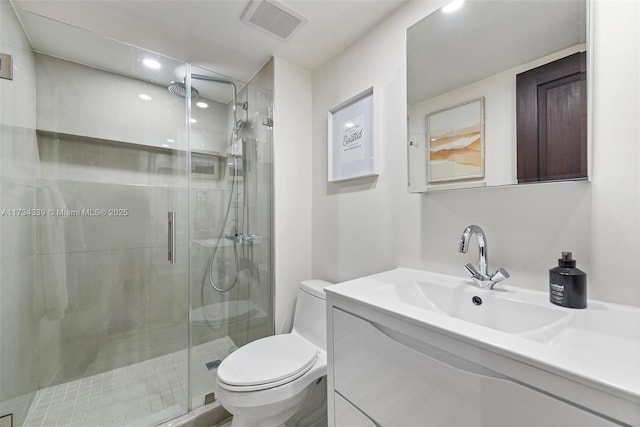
[(351, 138)]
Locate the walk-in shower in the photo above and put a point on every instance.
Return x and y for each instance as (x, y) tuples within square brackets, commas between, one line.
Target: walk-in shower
[(97, 328)]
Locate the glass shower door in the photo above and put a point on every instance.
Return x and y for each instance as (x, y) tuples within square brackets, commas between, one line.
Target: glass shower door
[(231, 193), (107, 144)]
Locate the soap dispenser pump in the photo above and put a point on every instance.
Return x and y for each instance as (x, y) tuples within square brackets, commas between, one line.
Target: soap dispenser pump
[(567, 284)]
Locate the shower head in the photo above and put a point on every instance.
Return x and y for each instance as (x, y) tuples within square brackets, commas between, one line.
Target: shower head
[(180, 89)]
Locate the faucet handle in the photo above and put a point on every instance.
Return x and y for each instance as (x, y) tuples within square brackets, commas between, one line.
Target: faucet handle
[(486, 282), (471, 269), (499, 275)]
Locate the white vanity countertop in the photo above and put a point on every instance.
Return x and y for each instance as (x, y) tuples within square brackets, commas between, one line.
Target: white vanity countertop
[(598, 346)]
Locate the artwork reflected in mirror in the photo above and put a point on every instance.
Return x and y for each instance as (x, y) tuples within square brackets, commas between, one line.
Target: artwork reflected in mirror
[(455, 143), (533, 120)]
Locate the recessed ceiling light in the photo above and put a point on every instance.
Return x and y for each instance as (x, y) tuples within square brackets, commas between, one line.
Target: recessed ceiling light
[(151, 63), (165, 145), (454, 5), (349, 125), (171, 140), (192, 120), (144, 97), (202, 104)]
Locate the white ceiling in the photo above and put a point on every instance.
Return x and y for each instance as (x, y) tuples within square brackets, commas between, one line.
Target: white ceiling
[(207, 33)]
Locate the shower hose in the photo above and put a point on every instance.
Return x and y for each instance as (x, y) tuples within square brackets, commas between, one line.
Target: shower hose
[(221, 238)]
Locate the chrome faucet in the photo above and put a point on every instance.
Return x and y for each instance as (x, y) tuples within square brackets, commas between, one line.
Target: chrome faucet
[(481, 277)]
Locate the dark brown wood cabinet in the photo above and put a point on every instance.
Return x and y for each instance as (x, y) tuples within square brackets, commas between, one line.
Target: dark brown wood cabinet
[(551, 112)]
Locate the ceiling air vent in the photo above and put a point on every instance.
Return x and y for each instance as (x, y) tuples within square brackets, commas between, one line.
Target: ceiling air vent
[(273, 17)]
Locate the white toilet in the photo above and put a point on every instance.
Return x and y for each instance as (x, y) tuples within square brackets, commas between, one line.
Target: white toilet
[(268, 381)]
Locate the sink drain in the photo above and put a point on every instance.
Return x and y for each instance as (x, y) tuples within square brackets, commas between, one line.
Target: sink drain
[(476, 300)]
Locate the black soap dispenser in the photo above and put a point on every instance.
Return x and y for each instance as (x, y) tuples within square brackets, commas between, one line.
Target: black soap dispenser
[(567, 284)]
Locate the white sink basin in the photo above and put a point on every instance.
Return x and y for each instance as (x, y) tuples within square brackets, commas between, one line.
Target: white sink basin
[(493, 309)]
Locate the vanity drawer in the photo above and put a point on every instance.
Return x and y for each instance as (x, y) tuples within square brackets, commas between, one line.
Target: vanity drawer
[(398, 381), (349, 415)]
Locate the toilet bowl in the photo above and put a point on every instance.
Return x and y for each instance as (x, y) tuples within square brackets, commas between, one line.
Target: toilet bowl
[(268, 381)]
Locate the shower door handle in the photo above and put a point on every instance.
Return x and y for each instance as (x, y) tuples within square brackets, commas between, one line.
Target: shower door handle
[(171, 225)]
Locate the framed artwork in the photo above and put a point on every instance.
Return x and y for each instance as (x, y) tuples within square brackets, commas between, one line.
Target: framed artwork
[(351, 138), (455, 142)]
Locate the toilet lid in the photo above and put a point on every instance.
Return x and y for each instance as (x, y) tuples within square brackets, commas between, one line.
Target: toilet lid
[(267, 362)]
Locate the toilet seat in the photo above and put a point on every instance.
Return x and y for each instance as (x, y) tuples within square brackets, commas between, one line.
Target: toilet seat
[(267, 363)]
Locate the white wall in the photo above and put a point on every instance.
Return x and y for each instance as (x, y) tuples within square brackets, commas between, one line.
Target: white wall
[(365, 226), (292, 183), (355, 222), (615, 212)]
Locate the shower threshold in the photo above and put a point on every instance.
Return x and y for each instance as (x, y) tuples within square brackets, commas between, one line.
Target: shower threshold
[(141, 394)]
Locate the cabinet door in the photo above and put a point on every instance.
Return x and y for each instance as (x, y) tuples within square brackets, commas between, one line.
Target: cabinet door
[(398, 381), (551, 113)]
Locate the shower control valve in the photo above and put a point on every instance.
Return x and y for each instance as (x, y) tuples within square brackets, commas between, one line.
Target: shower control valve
[(242, 237)]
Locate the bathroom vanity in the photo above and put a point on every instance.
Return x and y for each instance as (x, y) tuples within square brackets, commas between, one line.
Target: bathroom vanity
[(413, 348)]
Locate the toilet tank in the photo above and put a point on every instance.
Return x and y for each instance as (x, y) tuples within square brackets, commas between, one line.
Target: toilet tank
[(310, 318)]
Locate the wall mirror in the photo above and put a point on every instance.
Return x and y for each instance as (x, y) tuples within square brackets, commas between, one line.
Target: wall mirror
[(497, 94)]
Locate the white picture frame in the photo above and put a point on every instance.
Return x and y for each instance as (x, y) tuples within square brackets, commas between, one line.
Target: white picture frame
[(351, 138)]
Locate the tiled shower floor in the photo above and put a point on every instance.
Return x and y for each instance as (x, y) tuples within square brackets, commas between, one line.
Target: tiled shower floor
[(134, 395)]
